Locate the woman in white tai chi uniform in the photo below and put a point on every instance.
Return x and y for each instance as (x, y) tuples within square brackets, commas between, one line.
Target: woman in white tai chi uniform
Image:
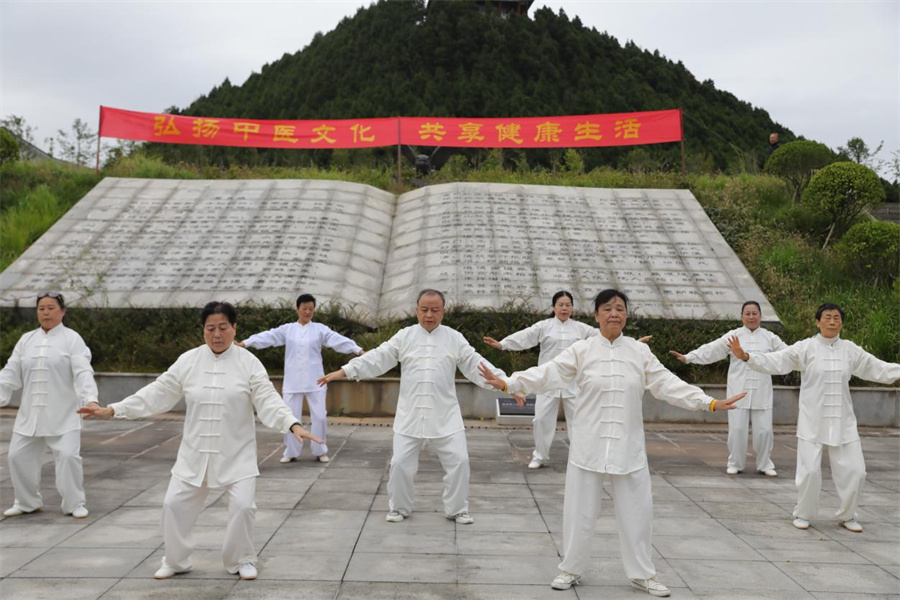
[(221, 384), (427, 408), (826, 362), (756, 407), (303, 341), (52, 365), (612, 371), (554, 335)]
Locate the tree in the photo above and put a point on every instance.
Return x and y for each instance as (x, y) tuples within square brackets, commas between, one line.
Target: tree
[(9, 147), (871, 250), (841, 191), (859, 152), (77, 146), (796, 162), (19, 127)]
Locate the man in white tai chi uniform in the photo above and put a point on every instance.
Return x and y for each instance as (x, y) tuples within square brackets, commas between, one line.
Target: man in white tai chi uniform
[(427, 408)]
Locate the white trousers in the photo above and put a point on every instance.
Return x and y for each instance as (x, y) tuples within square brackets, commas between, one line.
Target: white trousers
[(546, 409), (739, 421), (318, 426), (633, 501), (182, 507), (454, 456), (26, 455), (848, 471)]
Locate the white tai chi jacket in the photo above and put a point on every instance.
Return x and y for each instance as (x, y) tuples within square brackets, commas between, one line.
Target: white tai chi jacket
[(303, 352), (427, 406), (611, 378), (220, 391), (741, 378), (554, 336), (54, 369), (826, 365)]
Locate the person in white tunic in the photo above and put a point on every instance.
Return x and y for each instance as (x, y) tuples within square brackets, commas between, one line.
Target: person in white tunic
[(826, 420), (612, 371), (554, 335), (221, 384), (303, 341), (756, 407), (52, 366), (427, 409)]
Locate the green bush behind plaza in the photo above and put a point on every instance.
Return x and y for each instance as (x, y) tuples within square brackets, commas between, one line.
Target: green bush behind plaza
[(779, 241)]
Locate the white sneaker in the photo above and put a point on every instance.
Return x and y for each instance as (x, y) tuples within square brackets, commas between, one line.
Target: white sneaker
[(286, 459), (463, 518), (732, 470), (651, 586), (770, 473), (851, 525), (167, 573), (80, 511), (13, 511), (247, 571), (801, 523), (564, 581), (535, 464), (324, 458), (395, 516)]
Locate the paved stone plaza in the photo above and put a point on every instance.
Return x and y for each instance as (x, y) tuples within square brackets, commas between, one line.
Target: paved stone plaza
[(321, 533)]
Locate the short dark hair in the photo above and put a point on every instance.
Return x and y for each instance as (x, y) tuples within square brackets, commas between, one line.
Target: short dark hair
[(607, 295), (218, 308), (559, 295), (754, 302), (431, 292), (303, 298), (55, 295), (829, 306)]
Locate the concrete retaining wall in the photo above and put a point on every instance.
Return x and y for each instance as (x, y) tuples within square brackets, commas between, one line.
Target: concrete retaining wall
[(874, 407)]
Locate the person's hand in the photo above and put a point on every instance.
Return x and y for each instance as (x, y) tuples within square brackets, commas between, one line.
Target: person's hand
[(92, 410), (734, 344), (520, 400), (361, 352), (492, 342), (728, 404), (491, 379), (645, 339), (339, 374), (679, 356), (301, 434)]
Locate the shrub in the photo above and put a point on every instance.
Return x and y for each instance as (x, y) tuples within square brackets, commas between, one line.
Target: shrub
[(842, 191), (9, 147), (796, 163), (872, 250)]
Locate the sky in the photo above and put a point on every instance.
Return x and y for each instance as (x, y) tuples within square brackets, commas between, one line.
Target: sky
[(828, 71)]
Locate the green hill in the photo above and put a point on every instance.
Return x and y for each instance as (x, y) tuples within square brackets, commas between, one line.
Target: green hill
[(450, 59)]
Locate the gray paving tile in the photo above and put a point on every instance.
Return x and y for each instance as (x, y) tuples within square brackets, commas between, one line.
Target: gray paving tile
[(733, 575), (171, 589), (278, 590), (745, 510), (842, 578), (399, 540), (326, 518), (336, 500), (721, 548), (34, 535), (294, 540), (505, 543), (303, 566), (816, 549), (76, 563), (510, 570), (12, 559), (512, 592), (101, 535), (410, 568), (397, 591), (68, 588), (880, 553)]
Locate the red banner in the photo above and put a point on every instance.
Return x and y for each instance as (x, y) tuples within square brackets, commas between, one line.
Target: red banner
[(621, 129)]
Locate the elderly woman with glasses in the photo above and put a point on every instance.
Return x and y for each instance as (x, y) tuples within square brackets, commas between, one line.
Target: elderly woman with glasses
[(52, 366)]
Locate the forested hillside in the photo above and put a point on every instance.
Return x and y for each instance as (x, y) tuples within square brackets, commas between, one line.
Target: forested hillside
[(450, 59)]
